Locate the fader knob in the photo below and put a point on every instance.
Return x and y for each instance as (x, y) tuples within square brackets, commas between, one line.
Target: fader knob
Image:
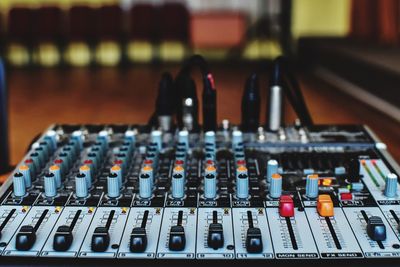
[(113, 186), (275, 189), (81, 189), (272, 167), (376, 229), (312, 186), (391, 185), (242, 183), (19, 184), (50, 186)]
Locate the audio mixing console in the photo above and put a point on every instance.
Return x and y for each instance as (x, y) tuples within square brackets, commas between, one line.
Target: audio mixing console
[(171, 193), (129, 192)]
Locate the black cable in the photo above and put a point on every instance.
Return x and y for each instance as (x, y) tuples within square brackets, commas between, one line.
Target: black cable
[(209, 95), (282, 75)]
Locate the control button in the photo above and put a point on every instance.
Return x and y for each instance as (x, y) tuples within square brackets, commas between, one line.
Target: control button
[(178, 182), (275, 189), (19, 185), (312, 186), (242, 183), (138, 238), (215, 238), (210, 182), (101, 236), (376, 229), (81, 190), (391, 185), (346, 196), (26, 172), (254, 242), (50, 186), (113, 186), (325, 206), (177, 239), (25, 238), (272, 168), (286, 206)]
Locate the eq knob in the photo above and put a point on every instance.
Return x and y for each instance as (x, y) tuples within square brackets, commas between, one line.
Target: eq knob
[(156, 137), (19, 185), (50, 185), (242, 183), (56, 171), (81, 189), (146, 182), (178, 182), (210, 182), (113, 186), (272, 167), (312, 186), (86, 170), (26, 172), (237, 139), (209, 138), (183, 138), (391, 185), (275, 189)]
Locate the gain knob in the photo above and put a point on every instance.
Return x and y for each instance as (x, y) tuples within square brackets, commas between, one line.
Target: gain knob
[(146, 182), (113, 186), (81, 189), (391, 185), (50, 185), (19, 185), (275, 189), (210, 182), (156, 137), (178, 182), (312, 186), (242, 183), (272, 167)]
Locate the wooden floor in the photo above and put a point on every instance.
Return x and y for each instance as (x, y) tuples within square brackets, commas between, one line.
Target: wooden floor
[(41, 97)]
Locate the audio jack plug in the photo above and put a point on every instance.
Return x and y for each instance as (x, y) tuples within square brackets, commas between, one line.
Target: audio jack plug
[(165, 102), (251, 104)]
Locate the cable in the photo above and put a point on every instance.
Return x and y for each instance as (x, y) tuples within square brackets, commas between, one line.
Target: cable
[(209, 95)]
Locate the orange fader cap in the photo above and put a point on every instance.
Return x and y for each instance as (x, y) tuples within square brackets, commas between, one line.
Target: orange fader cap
[(325, 206)]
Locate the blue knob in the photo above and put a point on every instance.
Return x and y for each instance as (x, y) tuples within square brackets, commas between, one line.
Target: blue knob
[(50, 186), (81, 189), (275, 189), (78, 137), (56, 171), (156, 137), (178, 182), (312, 186), (210, 182), (26, 172), (183, 138), (237, 139), (272, 167), (86, 170), (209, 138), (145, 185), (118, 172), (51, 136), (19, 184), (113, 186), (391, 185)]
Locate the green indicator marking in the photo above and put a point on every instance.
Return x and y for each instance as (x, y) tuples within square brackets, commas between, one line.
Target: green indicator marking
[(371, 175), (379, 170)]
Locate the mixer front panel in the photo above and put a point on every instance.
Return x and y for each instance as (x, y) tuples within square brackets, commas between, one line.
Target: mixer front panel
[(128, 192)]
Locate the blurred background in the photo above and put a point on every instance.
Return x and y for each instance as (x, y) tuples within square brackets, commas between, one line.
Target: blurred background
[(99, 61)]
